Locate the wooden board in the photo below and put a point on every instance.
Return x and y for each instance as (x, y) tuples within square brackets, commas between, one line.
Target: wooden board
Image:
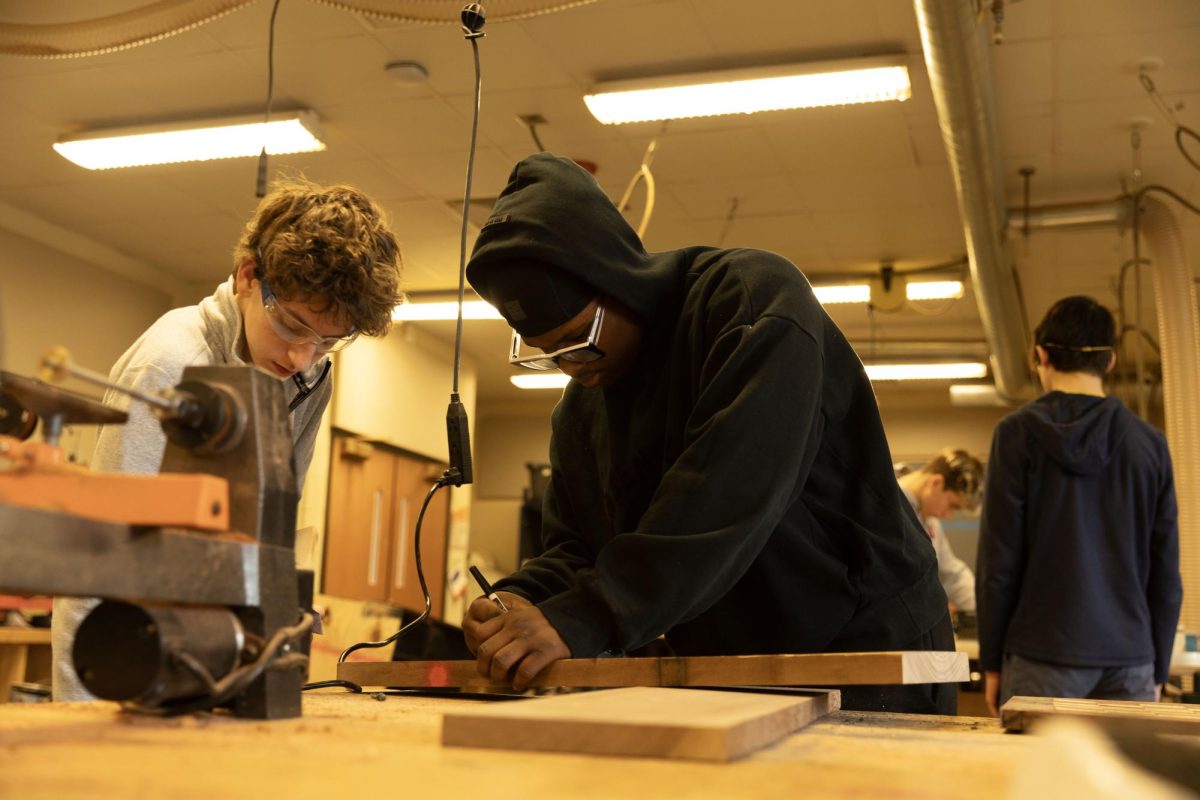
[(1021, 712), (355, 746), (822, 669), (708, 725)]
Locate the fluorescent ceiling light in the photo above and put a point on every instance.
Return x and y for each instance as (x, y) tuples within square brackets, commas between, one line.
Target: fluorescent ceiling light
[(472, 309), (929, 371), (747, 91), (934, 290), (861, 292), (974, 394), (205, 140), (846, 293), (542, 380)]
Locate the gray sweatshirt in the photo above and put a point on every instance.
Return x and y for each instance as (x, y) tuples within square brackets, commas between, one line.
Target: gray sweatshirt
[(207, 334)]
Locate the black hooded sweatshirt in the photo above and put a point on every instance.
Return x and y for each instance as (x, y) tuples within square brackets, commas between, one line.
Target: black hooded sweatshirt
[(734, 489), (1079, 547)]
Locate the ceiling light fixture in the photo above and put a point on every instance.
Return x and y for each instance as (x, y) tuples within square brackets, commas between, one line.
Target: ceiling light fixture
[(844, 293), (424, 312), (546, 380), (943, 371), (975, 394), (748, 91), (934, 290), (861, 292), (205, 140)]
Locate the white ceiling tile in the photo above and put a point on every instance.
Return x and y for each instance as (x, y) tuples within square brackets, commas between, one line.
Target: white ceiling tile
[(737, 30), (928, 146), (846, 189), (402, 127), (856, 137), (1091, 17), (1106, 66), (756, 196), (683, 156), (424, 219), (1023, 73), (442, 173), (1024, 22), (619, 39)]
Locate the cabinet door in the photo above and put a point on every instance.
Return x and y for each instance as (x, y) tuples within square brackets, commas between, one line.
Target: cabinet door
[(413, 480), (360, 512)]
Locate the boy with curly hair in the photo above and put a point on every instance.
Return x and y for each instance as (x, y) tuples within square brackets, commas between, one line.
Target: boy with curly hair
[(315, 267)]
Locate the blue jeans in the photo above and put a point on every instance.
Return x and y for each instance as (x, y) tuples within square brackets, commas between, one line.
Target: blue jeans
[(1030, 678)]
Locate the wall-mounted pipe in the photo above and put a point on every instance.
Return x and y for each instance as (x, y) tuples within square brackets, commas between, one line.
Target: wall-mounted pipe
[(957, 59), (1179, 339), (1099, 214)]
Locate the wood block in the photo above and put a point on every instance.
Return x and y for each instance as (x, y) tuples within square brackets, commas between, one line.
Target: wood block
[(820, 669), (709, 725), (1180, 718)]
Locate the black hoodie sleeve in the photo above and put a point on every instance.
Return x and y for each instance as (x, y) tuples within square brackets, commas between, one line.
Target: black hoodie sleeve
[(1165, 586), (1001, 542), (752, 432)]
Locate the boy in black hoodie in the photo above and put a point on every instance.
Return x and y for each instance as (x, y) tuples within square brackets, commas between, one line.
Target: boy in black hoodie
[(1078, 586), (720, 472)]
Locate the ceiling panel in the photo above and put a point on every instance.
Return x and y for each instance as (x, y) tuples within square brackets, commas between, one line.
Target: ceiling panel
[(834, 189)]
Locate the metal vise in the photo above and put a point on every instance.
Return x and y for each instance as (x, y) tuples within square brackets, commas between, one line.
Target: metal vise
[(192, 619)]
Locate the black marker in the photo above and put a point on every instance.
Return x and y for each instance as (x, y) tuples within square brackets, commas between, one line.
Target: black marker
[(488, 591)]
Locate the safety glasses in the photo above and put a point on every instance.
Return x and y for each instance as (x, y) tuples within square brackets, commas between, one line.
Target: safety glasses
[(288, 327), (579, 353)]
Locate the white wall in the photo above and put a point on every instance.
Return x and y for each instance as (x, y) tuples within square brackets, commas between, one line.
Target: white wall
[(48, 298), (918, 435), (506, 443)]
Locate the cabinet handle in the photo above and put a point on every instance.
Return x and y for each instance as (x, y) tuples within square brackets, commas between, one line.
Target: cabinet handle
[(373, 558), (401, 543)]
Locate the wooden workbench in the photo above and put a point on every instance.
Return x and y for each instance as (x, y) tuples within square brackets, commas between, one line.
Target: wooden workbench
[(354, 746)]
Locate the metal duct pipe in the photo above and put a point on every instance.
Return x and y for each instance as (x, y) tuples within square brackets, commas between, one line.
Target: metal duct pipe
[(1098, 214), (957, 58), (1179, 338)]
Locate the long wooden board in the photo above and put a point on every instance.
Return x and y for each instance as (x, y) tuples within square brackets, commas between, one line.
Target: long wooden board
[(822, 669), (1019, 713), (709, 725)]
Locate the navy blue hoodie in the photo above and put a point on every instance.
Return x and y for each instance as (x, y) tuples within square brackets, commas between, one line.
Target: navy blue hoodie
[(1079, 547), (734, 489)]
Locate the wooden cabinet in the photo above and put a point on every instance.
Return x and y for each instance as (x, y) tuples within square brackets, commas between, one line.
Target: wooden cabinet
[(375, 496)]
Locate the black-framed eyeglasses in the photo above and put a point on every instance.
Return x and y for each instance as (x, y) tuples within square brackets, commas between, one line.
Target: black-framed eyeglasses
[(291, 329), (580, 352)]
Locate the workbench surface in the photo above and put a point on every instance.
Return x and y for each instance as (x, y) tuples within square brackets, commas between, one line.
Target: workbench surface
[(348, 745)]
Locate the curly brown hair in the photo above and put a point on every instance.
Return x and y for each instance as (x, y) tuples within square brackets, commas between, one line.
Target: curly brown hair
[(330, 242)]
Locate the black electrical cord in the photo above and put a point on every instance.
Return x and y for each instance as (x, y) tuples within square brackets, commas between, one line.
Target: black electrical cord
[(260, 189), (459, 472), (222, 691), (424, 592), (1180, 130)]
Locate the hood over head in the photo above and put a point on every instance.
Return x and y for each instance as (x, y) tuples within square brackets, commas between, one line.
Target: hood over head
[(1080, 432), (555, 241)]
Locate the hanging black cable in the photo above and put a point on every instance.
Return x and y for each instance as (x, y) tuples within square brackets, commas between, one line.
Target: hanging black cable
[(260, 189)]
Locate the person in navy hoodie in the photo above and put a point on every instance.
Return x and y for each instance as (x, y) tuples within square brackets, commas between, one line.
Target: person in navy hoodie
[(1078, 585)]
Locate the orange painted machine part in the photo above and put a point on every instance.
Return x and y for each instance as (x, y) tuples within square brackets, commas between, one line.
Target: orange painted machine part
[(35, 475)]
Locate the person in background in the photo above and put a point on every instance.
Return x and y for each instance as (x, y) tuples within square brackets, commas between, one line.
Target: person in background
[(953, 481), (720, 473), (1078, 588), (315, 267)]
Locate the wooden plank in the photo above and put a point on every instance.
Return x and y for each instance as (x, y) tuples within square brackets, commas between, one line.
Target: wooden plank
[(1020, 713), (820, 669), (13, 635), (707, 725), (190, 501)]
